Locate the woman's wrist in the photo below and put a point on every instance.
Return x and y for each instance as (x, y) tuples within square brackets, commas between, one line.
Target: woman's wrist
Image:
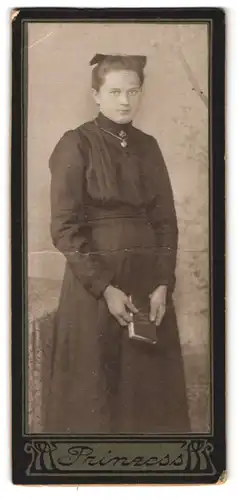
[(107, 291), (160, 291)]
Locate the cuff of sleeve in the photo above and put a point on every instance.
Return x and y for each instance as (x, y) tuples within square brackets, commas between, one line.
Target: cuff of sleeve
[(165, 269), (162, 277), (162, 282), (170, 283), (99, 284), (165, 278)]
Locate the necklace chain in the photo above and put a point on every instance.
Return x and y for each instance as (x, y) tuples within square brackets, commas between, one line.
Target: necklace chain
[(122, 139)]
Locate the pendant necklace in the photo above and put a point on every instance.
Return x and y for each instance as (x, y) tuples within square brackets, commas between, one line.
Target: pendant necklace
[(122, 136)]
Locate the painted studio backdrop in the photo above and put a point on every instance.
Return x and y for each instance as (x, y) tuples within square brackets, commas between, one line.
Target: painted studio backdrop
[(174, 110)]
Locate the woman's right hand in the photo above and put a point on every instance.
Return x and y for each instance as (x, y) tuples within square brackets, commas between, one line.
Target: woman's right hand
[(119, 305)]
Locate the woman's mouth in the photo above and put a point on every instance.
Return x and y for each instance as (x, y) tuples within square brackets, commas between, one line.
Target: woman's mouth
[(124, 111)]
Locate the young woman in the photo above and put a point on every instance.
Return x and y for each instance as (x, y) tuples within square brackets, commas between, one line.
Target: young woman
[(113, 218)]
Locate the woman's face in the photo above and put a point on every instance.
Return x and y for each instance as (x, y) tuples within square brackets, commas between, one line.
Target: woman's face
[(119, 95)]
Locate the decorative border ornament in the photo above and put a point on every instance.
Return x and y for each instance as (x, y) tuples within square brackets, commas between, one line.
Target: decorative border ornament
[(75, 457)]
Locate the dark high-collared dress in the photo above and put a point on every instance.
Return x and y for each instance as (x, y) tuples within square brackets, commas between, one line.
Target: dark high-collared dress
[(113, 217)]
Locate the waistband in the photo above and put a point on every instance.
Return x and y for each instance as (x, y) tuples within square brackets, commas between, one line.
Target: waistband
[(122, 212)]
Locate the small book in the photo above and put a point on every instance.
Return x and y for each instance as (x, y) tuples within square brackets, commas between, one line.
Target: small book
[(141, 328)]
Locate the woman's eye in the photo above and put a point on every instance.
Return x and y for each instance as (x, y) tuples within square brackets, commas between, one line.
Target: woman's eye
[(115, 92), (133, 92)]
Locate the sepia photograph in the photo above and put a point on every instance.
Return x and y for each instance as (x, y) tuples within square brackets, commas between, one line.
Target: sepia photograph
[(118, 164), (118, 176)]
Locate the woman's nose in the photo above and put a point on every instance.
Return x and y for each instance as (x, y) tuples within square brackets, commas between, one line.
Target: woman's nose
[(124, 98)]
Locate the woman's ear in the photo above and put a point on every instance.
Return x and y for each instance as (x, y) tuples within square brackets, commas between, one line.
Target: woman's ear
[(95, 95)]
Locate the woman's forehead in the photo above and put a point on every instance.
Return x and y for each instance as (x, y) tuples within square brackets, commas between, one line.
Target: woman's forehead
[(121, 78)]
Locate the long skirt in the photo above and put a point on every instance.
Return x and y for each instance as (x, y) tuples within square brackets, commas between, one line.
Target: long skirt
[(101, 380)]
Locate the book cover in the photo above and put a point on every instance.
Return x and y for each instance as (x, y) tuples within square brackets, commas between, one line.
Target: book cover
[(141, 328)]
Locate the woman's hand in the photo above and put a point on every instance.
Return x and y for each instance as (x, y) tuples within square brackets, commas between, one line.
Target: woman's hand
[(158, 304), (119, 305)]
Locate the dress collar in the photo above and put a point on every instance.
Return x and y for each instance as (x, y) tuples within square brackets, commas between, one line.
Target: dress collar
[(111, 126)]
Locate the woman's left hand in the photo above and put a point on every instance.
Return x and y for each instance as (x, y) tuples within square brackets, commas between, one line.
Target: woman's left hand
[(158, 304)]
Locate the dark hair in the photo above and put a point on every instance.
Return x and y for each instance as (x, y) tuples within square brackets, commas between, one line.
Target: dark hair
[(110, 63)]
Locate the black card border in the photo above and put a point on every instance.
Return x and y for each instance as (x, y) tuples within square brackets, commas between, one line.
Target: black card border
[(20, 460)]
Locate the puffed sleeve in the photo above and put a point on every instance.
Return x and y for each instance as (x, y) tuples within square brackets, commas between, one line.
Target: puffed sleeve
[(162, 216), (68, 224)]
